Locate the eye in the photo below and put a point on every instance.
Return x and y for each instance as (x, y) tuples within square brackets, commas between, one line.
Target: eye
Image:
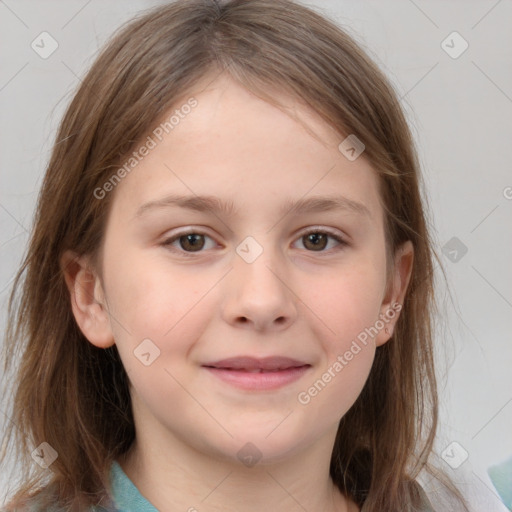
[(189, 242), (314, 240), (317, 239)]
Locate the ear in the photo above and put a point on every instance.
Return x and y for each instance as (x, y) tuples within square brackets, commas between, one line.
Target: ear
[(396, 289), (87, 299)]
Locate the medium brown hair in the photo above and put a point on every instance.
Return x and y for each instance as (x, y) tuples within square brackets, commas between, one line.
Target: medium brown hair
[(73, 395)]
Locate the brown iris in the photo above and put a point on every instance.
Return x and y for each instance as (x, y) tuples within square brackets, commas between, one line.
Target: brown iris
[(192, 242), (318, 240)]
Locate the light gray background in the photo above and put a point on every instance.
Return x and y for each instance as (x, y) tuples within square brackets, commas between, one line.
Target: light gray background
[(460, 112)]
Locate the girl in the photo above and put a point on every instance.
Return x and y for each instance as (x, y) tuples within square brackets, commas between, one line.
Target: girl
[(227, 299)]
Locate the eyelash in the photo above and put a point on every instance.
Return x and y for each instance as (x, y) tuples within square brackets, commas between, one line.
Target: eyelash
[(169, 241)]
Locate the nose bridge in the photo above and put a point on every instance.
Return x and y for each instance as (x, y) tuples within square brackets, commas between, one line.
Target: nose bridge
[(257, 266), (259, 293)]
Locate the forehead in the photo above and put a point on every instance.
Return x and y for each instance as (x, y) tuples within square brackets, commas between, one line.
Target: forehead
[(224, 105), (233, 144)]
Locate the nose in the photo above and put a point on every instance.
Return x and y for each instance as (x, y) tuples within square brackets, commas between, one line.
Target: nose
[(260, 295)]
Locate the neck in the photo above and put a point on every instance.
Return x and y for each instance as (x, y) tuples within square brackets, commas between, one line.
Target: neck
[(194, 481)]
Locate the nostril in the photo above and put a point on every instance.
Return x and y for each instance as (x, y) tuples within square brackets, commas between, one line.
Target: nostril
[(280, 320)]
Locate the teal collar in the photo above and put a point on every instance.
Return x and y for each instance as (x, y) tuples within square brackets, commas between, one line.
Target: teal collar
[(127, 497)]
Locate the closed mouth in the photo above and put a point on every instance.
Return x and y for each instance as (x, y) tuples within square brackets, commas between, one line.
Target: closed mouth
[(255, 370), (257, 365)]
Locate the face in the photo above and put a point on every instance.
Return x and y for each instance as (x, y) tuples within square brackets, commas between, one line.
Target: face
[(246, 323)]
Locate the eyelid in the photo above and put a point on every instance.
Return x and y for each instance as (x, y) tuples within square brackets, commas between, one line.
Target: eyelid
[(191, 230), (336, 235), (323, 229)]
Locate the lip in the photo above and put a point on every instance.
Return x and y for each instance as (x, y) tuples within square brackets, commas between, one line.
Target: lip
[(252, 373), (249, 363)]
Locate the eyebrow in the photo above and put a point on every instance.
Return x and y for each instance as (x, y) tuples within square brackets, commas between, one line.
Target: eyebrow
[(207, 203)]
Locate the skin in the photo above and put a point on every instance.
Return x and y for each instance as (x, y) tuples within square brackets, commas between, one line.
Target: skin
[(292, 300)]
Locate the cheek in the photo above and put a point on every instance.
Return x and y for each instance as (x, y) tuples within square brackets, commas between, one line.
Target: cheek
[(348, 309), (334, 392), (348, 305), (148, 300), (347, 302)]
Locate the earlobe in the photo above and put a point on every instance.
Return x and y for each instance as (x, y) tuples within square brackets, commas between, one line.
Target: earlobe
[(392, 304), (87, 299)]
